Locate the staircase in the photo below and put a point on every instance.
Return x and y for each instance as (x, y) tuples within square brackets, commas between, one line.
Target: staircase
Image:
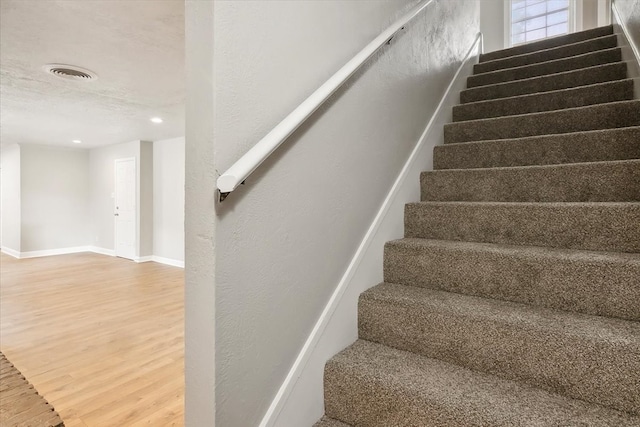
[(514, 298)]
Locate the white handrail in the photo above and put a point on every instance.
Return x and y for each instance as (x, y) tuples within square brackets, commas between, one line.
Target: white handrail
[(236, 174)]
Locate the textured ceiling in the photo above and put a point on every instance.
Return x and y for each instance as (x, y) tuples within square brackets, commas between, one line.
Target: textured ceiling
[(136, 47)]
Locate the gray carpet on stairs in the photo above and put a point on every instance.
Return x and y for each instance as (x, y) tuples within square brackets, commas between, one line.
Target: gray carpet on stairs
[(559, 52), (545, 68), (514, 298), (566, 80), (592, 282), (599, 93), (578, 147)]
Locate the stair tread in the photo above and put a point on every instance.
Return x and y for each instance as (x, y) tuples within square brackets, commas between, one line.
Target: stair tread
[(405, 389), (631, 102), (607, 226), (579, 355), (605, 330), (569, 182), (573, 97), (592, 117), (551, 81), (602, 283), (549, 42), (573, 147), (555, 66), (556, 52)]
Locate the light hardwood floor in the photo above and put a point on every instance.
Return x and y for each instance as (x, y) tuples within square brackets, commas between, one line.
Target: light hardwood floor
[(101, 338)]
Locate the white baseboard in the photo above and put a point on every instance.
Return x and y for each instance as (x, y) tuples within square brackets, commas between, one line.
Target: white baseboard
[(299, 401), (102, 251), (50, 252), (94, 249), (11, 252), (168, 261), (630, 52)]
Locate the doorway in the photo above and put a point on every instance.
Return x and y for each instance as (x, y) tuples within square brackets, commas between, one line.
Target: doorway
[(125, 208)]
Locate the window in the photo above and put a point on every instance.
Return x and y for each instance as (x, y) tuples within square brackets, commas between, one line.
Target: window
[(538, 19)]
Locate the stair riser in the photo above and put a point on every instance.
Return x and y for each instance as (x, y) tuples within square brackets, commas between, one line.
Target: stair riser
[(568, 98), (595, 283), (615, 144), (547, 44), (559, 52), (605, 116), (558, 66), (584, 182), (566, 80), (606, 227), (582, 367)]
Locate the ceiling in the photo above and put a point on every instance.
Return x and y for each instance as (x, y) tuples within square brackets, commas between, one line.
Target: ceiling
[(136, 47)]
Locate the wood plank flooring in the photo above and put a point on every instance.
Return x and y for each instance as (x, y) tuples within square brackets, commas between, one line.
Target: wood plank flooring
[(101, 338)]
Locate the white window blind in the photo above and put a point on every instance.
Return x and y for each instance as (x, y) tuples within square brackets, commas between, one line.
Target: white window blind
[(538, 19)]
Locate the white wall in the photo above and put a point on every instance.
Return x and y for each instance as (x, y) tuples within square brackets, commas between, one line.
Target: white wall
[(168, 198), (10, 197), (288, 235), (145, 199), (492, 18), (55, 198), (200, 223), (630, 14)]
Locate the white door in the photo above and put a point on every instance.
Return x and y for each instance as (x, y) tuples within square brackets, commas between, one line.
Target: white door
[(125, 208)]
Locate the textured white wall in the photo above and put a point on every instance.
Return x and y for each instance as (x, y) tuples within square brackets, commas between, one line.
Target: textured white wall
[(10, 197), (55, 197), (168, 198), (200, 351), (630, 14), (286, 238)]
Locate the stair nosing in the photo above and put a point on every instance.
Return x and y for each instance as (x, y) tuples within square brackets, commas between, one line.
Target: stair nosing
[(553, 48)]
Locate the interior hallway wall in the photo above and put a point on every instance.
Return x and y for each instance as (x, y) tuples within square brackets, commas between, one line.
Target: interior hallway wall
[(290, 232), (54, 191), (10, 198), (168, 198)]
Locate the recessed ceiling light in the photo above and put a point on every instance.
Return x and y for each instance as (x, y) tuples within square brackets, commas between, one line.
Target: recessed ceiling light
[(76, 141), (156, 120)]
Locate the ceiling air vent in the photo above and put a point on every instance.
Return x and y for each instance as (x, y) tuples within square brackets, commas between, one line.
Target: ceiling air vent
[(70, 72)]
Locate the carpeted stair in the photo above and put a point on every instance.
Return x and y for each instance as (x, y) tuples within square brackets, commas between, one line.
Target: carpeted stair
[(514, 298)]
